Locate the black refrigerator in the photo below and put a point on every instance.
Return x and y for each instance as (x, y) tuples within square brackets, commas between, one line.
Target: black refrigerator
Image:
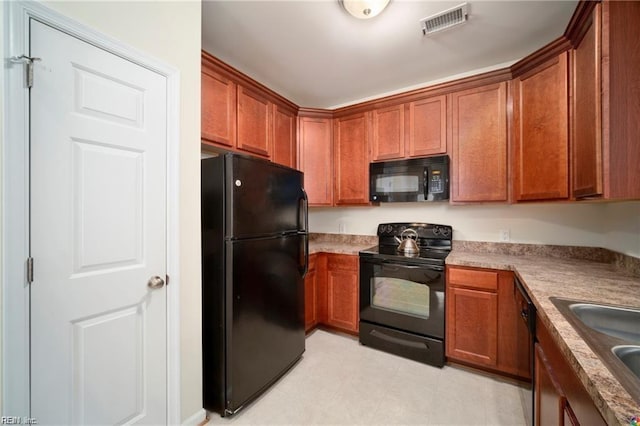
[(254, 259)]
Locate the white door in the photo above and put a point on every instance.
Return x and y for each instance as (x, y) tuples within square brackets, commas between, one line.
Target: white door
[(98, 213)]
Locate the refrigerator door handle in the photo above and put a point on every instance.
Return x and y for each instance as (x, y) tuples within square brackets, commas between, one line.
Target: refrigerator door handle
[(305, 229), (304, 200), (305, 269)]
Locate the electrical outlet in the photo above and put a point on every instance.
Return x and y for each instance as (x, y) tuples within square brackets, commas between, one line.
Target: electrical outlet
[(505, 235), (342, 228)]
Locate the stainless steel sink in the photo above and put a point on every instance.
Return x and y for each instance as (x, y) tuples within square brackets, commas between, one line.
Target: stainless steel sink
[(622, 323), (630, 356), (613, 332)]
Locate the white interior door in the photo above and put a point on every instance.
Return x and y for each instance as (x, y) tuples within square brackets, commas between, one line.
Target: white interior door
[(98, 234)]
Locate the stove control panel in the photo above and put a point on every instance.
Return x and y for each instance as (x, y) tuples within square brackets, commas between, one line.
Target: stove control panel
[(424, 230)]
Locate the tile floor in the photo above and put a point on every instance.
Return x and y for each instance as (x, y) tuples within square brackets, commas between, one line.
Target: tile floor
[(340, 382)]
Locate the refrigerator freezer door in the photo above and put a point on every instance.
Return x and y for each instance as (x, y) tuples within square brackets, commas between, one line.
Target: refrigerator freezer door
[(266, 199), (265, 327)]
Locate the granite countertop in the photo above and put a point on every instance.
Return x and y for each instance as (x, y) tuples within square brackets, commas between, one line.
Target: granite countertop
[(341, 244), (582, 279)]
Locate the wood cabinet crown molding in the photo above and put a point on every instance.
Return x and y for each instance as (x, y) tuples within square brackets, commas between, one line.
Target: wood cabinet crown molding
[(471, 82), (579, 22), (540, 56), (210, 61)]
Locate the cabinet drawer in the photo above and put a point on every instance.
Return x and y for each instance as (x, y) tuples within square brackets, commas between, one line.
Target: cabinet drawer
[(486, 280), (342, 261), (312, 262)]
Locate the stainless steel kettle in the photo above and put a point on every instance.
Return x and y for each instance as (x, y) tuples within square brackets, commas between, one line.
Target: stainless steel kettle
[(407, 241)]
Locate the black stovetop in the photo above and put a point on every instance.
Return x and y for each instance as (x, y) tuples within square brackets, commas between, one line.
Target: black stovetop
[(433, 240)]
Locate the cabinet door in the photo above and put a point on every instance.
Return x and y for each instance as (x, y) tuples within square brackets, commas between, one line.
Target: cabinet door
[(284, 137), (550, 402), (479, 144), (218, 104), (311, 295), (428, 127), (620, 94), (558, 386), (472, 326), (253, 123), (343, 295), (541, 136), (513, 336), (351, 160), (315, 159), (587, 117), (388, 133)]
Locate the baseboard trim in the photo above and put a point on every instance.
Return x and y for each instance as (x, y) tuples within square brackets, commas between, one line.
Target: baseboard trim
[(197, 418)]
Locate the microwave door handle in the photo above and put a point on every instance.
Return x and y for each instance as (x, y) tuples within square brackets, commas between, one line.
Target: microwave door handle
[(427, 173)]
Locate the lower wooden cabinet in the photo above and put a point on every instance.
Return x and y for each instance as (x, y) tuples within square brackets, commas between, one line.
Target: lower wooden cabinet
[(472, 316), (311, 295), (342, 292), (331, 292), (560, 399), (483, 321)]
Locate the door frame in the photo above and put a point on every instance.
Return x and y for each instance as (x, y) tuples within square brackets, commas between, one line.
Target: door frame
[(15, 369)]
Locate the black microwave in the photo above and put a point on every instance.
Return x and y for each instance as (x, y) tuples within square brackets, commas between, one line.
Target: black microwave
[(418, 179)]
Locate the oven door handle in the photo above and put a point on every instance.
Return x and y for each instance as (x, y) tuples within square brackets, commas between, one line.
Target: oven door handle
[(386, 265)]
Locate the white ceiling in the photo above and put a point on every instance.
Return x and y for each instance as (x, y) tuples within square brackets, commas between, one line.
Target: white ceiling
[(316, 55)]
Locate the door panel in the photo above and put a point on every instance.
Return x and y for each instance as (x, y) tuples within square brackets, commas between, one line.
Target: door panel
[(98, 221)]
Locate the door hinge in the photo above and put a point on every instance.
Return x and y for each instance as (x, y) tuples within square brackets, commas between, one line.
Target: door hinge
[(28, 61), (30, 270)]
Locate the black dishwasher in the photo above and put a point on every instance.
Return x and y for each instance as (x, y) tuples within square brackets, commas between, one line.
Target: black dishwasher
[(528, 315)]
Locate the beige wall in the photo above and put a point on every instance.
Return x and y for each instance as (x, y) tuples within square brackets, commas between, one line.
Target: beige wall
[(170, 32), (612, 225), (622, 227)]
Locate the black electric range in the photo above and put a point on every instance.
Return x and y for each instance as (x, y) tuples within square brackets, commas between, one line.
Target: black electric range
[(402, 296)]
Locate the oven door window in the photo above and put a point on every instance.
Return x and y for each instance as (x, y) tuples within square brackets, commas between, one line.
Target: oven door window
[(400, 295)]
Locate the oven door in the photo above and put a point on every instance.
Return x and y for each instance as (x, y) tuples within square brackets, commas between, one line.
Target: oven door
[(403, 295)]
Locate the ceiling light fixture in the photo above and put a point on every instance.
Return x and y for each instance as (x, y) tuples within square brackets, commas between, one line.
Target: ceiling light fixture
[(364, 9)]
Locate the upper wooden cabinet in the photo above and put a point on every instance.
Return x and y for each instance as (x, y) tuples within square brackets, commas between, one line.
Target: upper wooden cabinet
[(479, 144), (388, 133), (605, 154), (620, 94), (414, 129), (351, 159), (586, 152), (218, 116), (541, 132), (239, 114), (284, 136), (427, 124), (254, 117), (315, 158)]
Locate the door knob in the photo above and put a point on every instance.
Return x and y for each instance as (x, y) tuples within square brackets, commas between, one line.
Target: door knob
[(155, 282)]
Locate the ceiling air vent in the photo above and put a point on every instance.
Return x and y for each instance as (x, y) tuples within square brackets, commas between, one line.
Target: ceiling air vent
[(446, 19)]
